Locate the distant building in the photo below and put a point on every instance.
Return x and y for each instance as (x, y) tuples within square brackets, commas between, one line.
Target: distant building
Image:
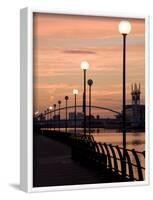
[(91, 117), (98, 117), (79, 115), (56, 117), (135, 112)]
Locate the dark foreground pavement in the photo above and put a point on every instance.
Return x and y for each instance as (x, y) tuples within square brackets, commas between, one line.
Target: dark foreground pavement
[(53, 165)]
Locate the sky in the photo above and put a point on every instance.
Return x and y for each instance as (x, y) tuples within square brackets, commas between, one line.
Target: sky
[(61, 42)]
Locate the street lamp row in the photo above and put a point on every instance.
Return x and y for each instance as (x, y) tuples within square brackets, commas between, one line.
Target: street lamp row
[(75, 92), (124, 29)]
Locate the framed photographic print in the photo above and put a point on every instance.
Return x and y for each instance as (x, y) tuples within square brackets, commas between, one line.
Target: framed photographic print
[(84, 100)]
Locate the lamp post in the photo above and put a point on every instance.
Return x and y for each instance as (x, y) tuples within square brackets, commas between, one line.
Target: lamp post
[(75, 92), (124, 29), (50, 108), (84, 67), (90, 82), (54, 114), (66, 99), (36, 160), (47, 117), (59, 103), (36, 113), (36, 120)]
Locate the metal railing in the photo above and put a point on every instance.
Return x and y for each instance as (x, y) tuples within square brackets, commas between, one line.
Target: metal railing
[(105, 157)]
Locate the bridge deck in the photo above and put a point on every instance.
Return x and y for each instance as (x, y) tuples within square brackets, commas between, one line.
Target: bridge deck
[(53, 165)]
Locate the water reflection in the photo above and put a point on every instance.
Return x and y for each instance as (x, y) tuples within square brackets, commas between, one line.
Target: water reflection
[(135, 139)]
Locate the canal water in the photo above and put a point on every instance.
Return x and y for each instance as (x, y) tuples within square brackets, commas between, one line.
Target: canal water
[(134, 139)]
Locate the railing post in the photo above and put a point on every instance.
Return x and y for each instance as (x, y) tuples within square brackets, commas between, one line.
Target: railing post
[(138, 165), (108, 156), (114, 158), (121, 159), (131, 175)]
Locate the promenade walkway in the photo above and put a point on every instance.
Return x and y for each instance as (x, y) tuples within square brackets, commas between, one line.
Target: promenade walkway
[(53, 165)]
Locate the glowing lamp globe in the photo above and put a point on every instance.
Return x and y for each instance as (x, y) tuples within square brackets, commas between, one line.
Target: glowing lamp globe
[(124, 27), (36, 113), (84, 65), (75, 91)]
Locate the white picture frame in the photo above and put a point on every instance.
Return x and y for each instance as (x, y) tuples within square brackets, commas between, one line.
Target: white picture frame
[(26, 99)]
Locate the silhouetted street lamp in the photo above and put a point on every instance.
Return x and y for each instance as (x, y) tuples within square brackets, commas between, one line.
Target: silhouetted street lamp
[(47, 117), (59, 103), (75, 92), (66, 99), (36, 113), (54, 114), (84, 67), (50, 108), (36, 120), (124, 29), (90, 82)]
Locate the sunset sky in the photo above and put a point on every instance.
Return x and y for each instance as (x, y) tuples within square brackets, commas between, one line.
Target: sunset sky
[(61, 42)]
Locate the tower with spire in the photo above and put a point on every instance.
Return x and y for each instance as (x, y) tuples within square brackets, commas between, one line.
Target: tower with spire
[(135, 112), (135, 93)]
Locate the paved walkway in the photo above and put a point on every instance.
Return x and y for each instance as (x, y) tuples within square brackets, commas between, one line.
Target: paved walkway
[(53, 165)]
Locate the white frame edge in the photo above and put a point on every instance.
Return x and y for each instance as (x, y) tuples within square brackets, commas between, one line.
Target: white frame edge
[(23, 99), (26, 99)]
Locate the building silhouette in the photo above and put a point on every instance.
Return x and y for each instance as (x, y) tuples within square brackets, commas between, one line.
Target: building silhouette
[(79, 116), (135, 93), (135, 112)]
